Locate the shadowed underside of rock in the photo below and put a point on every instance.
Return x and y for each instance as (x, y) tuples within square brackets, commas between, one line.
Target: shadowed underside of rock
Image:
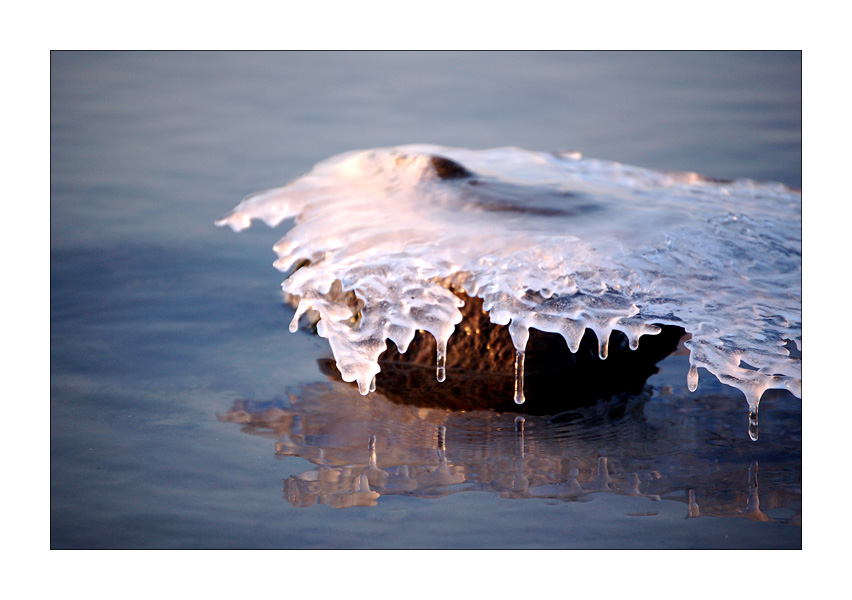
[(480, 368)]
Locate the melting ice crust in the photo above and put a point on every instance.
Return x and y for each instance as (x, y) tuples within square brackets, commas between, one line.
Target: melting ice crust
[(550, 241)]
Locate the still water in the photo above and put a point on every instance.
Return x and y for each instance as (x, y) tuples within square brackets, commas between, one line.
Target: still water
[(185, 415)]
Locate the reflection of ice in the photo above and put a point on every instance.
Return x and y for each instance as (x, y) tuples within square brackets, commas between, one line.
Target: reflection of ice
[(340, 488), (602, 482), (551, 242), (753, 511), (443, 474), (569, 489), (365, 448), (349, 486), (516, 482), (375, 475), (694, 509)]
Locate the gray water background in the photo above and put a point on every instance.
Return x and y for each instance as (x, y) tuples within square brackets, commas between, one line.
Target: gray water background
[(160, 321)]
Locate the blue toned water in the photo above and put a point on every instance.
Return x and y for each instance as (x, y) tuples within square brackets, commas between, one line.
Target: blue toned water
[(185, 415)]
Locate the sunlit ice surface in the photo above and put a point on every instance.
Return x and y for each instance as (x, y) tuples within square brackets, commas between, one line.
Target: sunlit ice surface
[(387, 240)]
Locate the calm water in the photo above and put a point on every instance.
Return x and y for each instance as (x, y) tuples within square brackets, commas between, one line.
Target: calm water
[(184, 415)]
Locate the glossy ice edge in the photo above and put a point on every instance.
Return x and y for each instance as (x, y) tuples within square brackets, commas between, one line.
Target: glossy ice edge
[(548, 240)]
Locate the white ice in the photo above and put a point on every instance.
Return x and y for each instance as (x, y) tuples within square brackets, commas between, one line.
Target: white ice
[(547, 240)]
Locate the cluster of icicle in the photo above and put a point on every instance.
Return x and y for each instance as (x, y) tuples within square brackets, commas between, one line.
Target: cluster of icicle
[(548, 240)]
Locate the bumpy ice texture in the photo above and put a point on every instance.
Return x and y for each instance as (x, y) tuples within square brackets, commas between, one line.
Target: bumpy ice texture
[(550, 241)]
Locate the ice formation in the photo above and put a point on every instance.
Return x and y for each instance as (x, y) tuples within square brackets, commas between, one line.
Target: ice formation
[(551, 241)]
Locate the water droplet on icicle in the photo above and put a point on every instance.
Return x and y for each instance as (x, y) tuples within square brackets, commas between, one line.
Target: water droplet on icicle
[(441, 371), (373, 384), (519, 377), (692, 378)]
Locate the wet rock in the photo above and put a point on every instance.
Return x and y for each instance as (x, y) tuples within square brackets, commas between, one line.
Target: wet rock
[(480, 368)]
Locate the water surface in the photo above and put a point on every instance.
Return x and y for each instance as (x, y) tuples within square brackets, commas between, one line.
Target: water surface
[(183, 413)]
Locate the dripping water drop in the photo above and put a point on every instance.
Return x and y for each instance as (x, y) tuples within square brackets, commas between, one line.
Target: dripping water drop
[(441, 371), (519, 377)]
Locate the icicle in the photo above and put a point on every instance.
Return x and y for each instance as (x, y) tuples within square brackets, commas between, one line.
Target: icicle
[(373, 384), (294, 322), (574, 339), (752, 423), (519, 377), (441, 371), (692, 378), (364, 387), (603, 345), (558, 273)]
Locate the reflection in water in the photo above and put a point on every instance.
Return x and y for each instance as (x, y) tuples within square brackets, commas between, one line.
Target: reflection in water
[(367, 447), (694, 509)]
